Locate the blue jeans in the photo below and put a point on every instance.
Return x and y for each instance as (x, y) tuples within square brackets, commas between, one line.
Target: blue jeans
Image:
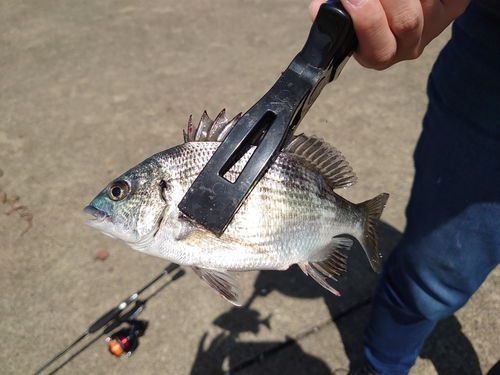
[(452, 239)]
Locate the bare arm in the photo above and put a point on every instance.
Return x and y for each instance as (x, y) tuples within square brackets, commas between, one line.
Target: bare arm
[(390, 31)]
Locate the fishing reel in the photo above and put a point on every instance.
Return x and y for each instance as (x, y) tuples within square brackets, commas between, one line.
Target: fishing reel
[(126, 340)]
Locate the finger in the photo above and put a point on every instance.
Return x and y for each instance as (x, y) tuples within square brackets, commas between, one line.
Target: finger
[(377, 45), (314, 8), (406, 21), (438, 15)]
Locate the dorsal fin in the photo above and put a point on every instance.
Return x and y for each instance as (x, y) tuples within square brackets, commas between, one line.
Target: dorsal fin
[(318, 154), (324, 158), (209, 130)]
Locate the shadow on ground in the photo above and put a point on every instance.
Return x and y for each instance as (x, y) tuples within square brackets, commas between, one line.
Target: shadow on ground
[(450, 351), (447, 347)]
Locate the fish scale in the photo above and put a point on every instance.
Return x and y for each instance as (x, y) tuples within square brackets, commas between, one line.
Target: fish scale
[(292, 216)]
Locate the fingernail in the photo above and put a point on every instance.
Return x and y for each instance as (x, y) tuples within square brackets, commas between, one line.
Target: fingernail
[(356, 3)]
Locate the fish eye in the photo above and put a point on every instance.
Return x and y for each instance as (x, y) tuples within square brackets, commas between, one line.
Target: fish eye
[(118, 190)]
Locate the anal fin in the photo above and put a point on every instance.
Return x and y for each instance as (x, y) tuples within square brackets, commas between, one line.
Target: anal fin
[(328, 262), (221, 282)]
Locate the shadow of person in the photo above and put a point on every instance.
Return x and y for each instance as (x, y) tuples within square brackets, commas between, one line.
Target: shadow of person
[(226, 351), (247, 357)]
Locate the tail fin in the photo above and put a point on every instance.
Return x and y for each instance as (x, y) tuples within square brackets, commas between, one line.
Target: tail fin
[(369, 241)]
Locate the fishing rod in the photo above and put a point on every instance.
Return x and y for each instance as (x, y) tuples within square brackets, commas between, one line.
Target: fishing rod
[(126, 340)]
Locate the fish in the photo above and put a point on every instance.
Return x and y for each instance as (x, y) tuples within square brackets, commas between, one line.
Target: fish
[(292, 216)]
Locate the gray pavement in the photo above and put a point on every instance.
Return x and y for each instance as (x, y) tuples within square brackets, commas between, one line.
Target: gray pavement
[(90, 89)]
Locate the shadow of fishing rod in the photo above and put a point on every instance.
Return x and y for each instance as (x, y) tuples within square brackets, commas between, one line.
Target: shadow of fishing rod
[(126, 340)]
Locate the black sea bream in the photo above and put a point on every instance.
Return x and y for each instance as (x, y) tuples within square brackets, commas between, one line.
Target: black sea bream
[(292, 216)]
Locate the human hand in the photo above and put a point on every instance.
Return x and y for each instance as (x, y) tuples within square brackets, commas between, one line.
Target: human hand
[(390, 31)]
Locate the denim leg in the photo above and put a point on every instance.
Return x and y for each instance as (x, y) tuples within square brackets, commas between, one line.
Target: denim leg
[(452, 239), (425, 281)]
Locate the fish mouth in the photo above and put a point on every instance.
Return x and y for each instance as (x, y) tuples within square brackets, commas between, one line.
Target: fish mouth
[(101, 221), (99, 215)]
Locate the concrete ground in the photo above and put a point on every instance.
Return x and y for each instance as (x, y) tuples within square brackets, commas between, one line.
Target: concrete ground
[(90, 89)]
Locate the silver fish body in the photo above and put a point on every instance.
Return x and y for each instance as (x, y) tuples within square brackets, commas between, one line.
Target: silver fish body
[(292, 216)]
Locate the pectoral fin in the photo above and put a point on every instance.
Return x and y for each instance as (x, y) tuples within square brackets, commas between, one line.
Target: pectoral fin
[(221, 282)]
